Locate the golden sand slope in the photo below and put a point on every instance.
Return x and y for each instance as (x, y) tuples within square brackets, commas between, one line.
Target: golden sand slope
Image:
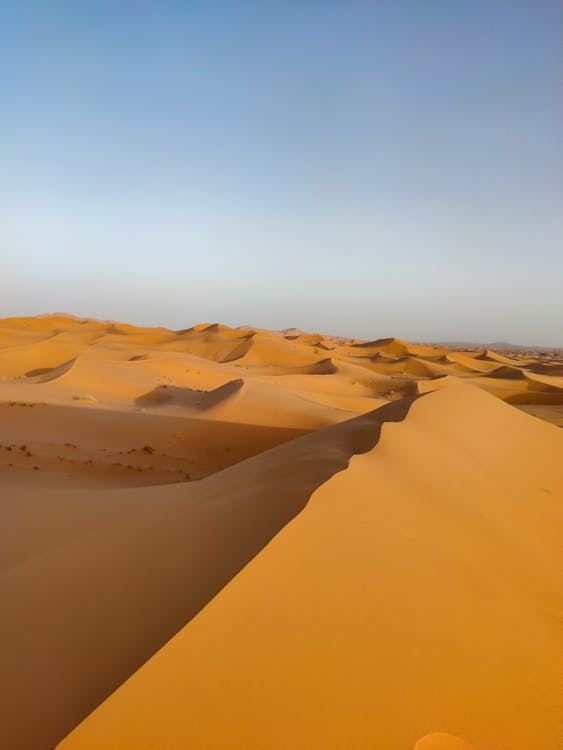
[(419, 592), (369, 557)]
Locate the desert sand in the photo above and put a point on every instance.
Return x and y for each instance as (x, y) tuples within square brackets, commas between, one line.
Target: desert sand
[(238, 538)]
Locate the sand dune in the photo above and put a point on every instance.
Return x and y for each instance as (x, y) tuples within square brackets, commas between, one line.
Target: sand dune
[(145, 590), (323, 366), (236, 538), (491, 356), (507, 372), (400, 603), (195, 399)]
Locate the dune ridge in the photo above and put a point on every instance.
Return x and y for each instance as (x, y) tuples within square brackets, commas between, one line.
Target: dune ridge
[(209, 533), (403, 615)]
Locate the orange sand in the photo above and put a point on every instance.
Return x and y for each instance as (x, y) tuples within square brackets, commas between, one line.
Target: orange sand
[(369, 556)]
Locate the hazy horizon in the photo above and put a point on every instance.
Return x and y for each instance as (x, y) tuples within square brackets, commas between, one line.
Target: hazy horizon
[(360, 169), (189, 324)]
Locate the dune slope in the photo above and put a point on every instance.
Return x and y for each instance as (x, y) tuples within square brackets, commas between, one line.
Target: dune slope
[(128, 568), (417, 598)]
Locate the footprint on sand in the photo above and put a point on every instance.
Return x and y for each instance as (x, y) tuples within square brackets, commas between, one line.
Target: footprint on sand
[(442, 741)]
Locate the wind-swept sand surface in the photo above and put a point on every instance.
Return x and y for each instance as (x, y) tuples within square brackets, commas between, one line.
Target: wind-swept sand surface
[(234, 538)]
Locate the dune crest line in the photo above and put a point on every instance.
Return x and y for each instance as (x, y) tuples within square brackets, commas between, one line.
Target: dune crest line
[(128, 585)]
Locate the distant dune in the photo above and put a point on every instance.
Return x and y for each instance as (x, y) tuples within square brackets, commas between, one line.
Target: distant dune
[(234, 538)]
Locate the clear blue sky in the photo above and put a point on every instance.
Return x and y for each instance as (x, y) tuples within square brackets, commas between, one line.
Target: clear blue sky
[(370, 168)]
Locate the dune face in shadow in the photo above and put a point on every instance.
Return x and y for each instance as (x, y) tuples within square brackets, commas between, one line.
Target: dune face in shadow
[(46, 374), (505, 371), (546, 369), (87, 448), (323, 367), (165, 394), (149, 572)]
